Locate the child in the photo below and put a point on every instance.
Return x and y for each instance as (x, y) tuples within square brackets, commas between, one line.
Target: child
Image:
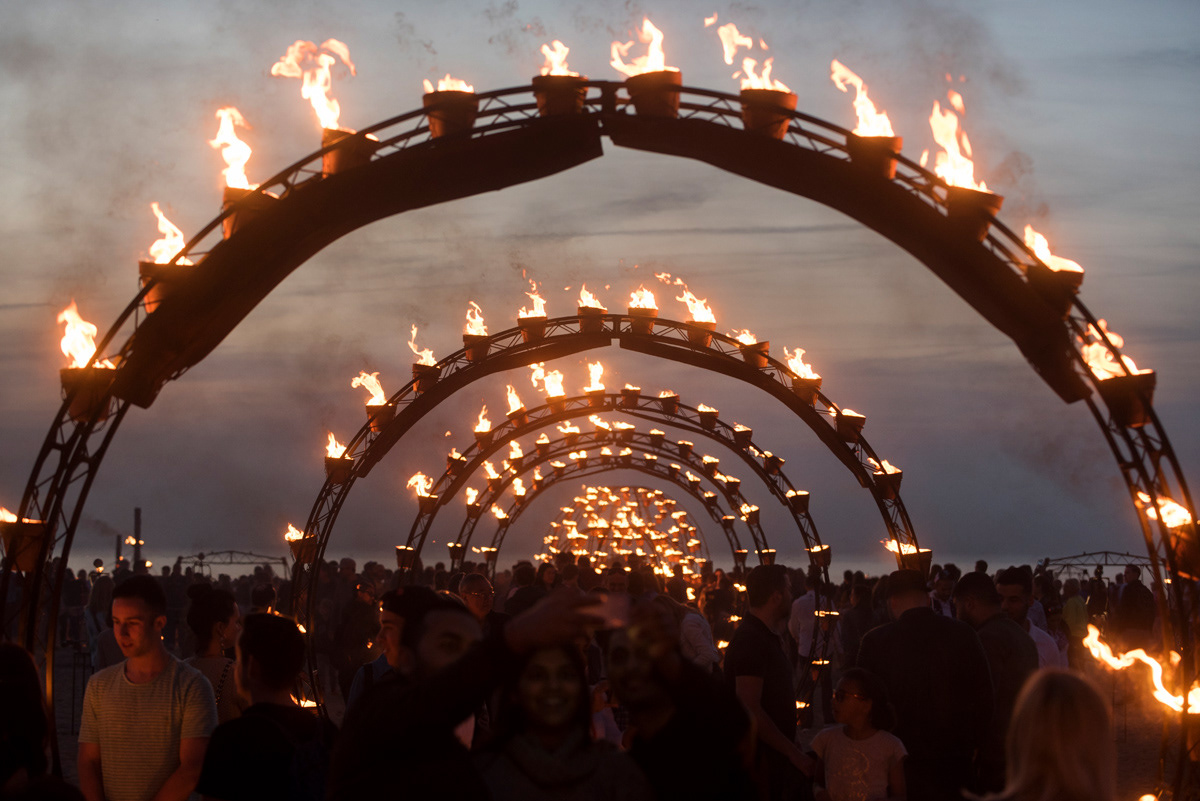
[(859, 761)]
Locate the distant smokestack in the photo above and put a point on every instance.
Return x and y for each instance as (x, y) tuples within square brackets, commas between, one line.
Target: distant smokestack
[(137, 536)]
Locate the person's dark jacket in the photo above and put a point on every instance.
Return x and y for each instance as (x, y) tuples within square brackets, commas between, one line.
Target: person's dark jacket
[(1012, 658)]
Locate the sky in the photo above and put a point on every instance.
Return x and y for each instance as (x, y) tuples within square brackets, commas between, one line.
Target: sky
[(1082, 114)]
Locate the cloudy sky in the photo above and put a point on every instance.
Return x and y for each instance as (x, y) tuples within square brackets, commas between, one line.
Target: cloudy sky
[(1083, 114)]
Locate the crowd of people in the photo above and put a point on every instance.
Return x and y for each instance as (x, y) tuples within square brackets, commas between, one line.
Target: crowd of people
[(563, 682)]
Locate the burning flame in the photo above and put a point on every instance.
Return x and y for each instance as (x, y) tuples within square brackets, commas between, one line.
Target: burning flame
[(79, 339), (552, 381), (537, 473), (370, 382), (589, 301), (744, 336), (421, 483), (884, 468), (710, 21), (595, 370), (556, 59), (475, 326), (543, 439), (599, 422), (642, 298), (577, 454), (293, 534), (569, 428), (666, 393), (1041, 248), (471, 494), (518, 487), (448, 84), (653, 61), (902, 547), (334, 449), (870, 121), (498, 512), (953, 164), (172, 239), (797, 365), (704, 407), (514, 450), (235, 152), (763, 81), (1103, 653), (539, 304), (731, 40), (483, 423), (425, 356), (7, 516), (1100, 359), (311, 63), (699, 309), (131, 540), (490, 469), (514, 401), (1173, 515)]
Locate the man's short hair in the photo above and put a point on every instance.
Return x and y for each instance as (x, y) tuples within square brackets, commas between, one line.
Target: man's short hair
[(262, 595), (905, 582), (276, 644), (524, 574), (1137, 571), (1016, 575), (978, 586), (145, 589), (407, 602), (764, 580), (414, 625), (472, 580)]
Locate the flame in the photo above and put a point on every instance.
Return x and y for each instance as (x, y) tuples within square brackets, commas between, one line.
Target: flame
[(334, 449), (471, 494), (421, 483), (449, 84), (370, 382), (235, 152), (475, 325), (454, 454), (953, 164), (744, 336), (598, 422), (704, 407), (311, 63), (514, 450), (1173, 515), (595, 370), (870, 121), (797, 366), (653, 61), (884, 468), (483, 423), (577, 454), (537, 473), (79, 339), (1100, 359), (589, 301), (568, 428), (903, 547), (666, 393), (552, 381), (543, 439), (490, 469), (518, 487), (1103, 653), (7, 516), (699, 309), (763, 81), (539, 304), (425, 356), (556, 59), (172, 239), (131, 540), (514, 401), (1041, 248), (642, 298), (731, 39), (498, 512)]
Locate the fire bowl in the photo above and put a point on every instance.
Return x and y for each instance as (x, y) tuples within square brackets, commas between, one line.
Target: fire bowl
[(477, 346), (630, 397), (247, 205), (1128, 397), (970, 212), (558, 95), (806, 389), (405, 557), (338, 469), (820, 555), (767, 111), (766, 556), (166, 278), (90, 387), (655, 94), (669, 404), (798, 500), (1057, 287), (380, 415), (352, 150), (591, 320), (921, 561), (700, 333), (849, 426), (426, 375), (875, 155), (756, 355), (304, 550), (23, 543), (642, 320), (532, 328), (888, 484), (450, 112)]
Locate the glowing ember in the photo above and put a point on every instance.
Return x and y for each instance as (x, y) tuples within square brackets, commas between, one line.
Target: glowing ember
[(163, 250), (881, 469), (731, 40), (311, 63), (642, 298), (653, 61), (370, 382), (1100, 359), (870, 121), (763, 81), (1103, 653), (744, 336), (334, 449), (483, 424), (475, 326), (421, 483), (79, 339), (595, 371), (589, 301), (1041, 248), (1173, 515), (498, 512), (518, 487), (953, 164), (514, 401), (539, 304), (448, 84), (797, 366), (425, 356), (235, 152), (556, 59)]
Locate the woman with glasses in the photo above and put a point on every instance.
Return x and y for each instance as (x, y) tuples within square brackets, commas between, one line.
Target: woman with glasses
[(860, 760)]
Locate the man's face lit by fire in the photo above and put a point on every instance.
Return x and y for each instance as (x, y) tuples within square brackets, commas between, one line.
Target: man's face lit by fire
[(391, 626), (137, 629)]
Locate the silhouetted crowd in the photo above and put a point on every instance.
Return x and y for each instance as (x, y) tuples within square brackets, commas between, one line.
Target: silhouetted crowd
[(562, 682)]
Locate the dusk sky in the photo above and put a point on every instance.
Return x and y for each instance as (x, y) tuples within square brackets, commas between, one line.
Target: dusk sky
[(1084, 115)]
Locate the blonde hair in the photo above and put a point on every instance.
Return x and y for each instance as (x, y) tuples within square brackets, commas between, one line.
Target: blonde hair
[(1060, 741)]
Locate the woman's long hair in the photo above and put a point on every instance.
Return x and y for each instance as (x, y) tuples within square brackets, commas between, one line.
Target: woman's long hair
[(511, 718), (1060, 741), (883, 714), (209, 606)]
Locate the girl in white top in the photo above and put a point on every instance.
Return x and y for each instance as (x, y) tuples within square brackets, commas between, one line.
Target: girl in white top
[(859, 759)]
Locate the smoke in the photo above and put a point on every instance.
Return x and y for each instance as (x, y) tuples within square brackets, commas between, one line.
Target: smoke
[(407, 39)]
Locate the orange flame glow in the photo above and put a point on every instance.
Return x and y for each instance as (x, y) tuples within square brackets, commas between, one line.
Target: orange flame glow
[(642, 298), (79, 339), (595, 371), (1103, 653), (483, 423), (870, 121), (539, 304), (589, 301), (704, 407), (653, 61), (1100, 359), (885, 467), (518, 487), (697, 308), (293, 534), (421, 483), (552, 381), (744, 336), (370, 382), (172, 239), (1041, 248), (334, 449), (490, 469), (953, 164), (475, 325), (797, 365), (710, 21), (424, 357), (761, 81), (311, 63), (902, 548), (234, 151), (577, 455), (543, 439), (731, 40), (1173, 515), (499, 513), (448, 84), (556, 59), (514, 450), (471, 494), (514, 400), (568, 428)]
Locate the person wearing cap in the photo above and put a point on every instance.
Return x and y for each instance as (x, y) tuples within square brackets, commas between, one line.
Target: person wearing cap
[(937, 676)]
